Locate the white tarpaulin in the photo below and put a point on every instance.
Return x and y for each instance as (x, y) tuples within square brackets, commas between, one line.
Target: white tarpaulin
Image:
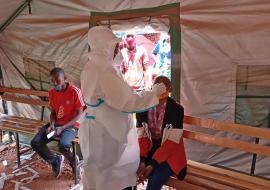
[(217, 38)]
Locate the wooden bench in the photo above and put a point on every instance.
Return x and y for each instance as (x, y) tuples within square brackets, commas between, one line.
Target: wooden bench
[(25, 125), (201, 176)]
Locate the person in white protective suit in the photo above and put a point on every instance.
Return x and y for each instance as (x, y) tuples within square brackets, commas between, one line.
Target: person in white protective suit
[(108, 137)]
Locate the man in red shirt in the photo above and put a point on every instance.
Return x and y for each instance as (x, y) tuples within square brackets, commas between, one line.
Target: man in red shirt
[(66, 105)]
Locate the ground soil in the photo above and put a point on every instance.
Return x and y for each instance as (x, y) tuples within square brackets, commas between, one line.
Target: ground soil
[(45, 181)]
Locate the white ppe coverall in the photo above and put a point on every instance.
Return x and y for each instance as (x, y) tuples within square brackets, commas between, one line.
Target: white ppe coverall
[(108, 137)]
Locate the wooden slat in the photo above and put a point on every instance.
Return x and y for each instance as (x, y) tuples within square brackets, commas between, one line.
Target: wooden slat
[(23, 123), (20, 124), (232, 174), (41, 123), (227, 180), (24, 91), (229, 127), (229, 143), (208, 184), (22, 120), (25, 100), (18, 129), (26, 126), (212, 178), (19, 118)]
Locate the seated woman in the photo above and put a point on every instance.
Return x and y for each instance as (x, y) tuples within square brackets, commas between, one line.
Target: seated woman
[(162, 150)]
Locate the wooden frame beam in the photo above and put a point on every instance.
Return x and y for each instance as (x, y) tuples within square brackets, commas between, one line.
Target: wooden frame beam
[(24, 91), (228, 127)]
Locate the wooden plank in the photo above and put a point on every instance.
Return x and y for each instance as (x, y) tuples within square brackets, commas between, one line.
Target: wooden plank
[(208, 184), (13, 117), (227, 180), (228, 173), (18, 129), (24, 91), (175, 183), (23, 121), (25, 100), (228, 127), (20, 125), (229, 143)]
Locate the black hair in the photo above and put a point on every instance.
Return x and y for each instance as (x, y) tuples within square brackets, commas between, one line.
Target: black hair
[(57, 71), (166, 80)]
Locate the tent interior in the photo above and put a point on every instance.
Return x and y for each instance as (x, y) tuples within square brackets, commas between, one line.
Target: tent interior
[(219, 69)]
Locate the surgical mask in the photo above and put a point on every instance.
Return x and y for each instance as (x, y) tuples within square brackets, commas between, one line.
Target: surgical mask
[(57, 87)]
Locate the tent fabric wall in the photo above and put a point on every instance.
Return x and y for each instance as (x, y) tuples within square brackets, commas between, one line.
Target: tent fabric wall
[(7, 8), (216, 37)]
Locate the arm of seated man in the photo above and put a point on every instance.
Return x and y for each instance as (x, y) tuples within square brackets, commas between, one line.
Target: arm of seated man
[(52, 122), (59, 130)]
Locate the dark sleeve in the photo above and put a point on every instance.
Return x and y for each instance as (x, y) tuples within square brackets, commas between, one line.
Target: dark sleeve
[(176, 115), (180, 116), (140, 118)]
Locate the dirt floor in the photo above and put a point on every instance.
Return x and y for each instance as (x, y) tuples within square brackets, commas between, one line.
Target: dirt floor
[(45, 179)]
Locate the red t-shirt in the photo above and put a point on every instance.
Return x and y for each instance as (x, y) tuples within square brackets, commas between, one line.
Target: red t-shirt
[(66, 104)]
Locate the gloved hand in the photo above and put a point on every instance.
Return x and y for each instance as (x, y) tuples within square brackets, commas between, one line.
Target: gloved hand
[(159, 89)]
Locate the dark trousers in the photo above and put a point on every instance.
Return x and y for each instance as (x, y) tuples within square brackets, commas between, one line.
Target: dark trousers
[(131, 188), (40, 141), (159, 177)]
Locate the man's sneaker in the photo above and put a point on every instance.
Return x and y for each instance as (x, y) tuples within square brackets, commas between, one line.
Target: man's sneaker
[(57, 166)]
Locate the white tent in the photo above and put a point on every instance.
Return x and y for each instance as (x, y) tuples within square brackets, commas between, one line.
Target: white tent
[(224, 64)]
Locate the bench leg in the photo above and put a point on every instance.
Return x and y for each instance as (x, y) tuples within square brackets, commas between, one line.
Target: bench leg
[(254, 159), (10, 134), (1, 138), (18, 149), (75, 163)]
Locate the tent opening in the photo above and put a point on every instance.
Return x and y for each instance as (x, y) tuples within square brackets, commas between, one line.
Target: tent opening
[(157, 48), (152, 52), (155, 22)]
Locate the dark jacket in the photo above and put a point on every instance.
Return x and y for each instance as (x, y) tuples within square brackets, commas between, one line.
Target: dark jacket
[(153, 153)]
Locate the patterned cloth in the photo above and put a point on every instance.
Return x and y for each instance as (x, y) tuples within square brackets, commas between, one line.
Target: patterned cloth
[(155, 120)]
